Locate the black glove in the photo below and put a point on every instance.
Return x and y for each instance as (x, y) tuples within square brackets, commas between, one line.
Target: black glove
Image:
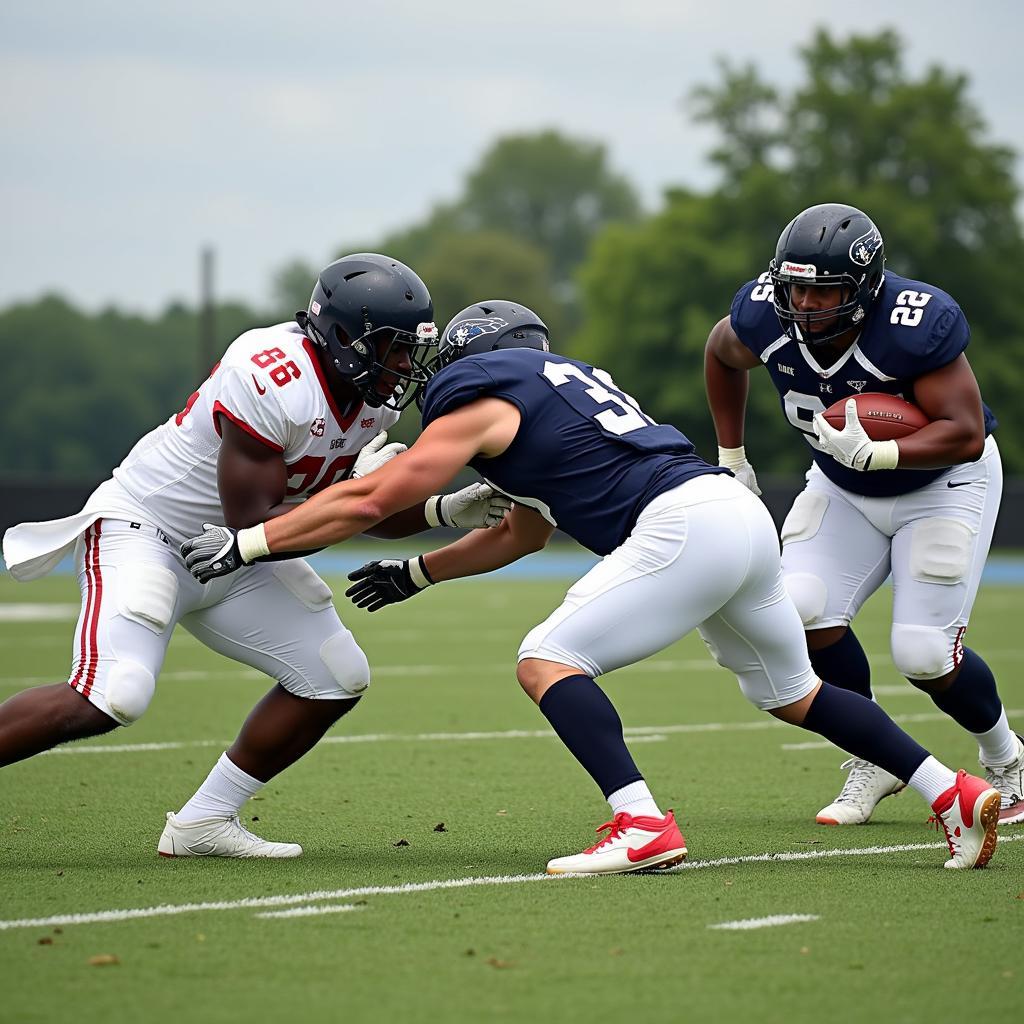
[(387, 581), (213, 553)]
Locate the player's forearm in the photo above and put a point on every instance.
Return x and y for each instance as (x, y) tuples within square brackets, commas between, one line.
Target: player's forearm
[(480, 551), (727, 399), (941, 443), (326, 518)]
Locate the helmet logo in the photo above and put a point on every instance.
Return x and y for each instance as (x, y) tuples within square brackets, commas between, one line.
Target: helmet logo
[(315, 307), (360, 347), (863, 249), (805, 271), (466, 330), (858, 315)]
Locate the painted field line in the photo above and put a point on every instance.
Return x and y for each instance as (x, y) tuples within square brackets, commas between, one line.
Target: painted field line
[(750, 923), (407, 888), (636, 733), (811, 745)]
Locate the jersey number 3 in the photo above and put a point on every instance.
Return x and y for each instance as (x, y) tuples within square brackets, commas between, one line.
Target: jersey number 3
[(623, 420)]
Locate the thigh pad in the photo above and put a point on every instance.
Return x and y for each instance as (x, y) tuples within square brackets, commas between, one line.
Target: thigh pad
[(940, 550), (146, 594)]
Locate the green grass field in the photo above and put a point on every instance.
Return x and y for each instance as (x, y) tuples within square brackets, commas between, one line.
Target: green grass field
[(446, 738)]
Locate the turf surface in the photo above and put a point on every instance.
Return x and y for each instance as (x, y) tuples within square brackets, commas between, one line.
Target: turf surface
[(896, 937)]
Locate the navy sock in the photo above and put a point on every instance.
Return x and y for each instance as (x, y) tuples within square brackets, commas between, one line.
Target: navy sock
[(972, 701), (844, 664), (859, 726), (588, 724)]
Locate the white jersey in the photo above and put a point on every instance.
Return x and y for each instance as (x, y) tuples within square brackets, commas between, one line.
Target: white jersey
[(270, 384)]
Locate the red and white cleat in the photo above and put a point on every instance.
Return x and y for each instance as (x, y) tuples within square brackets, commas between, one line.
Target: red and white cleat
[(632, 844), (968, 812)]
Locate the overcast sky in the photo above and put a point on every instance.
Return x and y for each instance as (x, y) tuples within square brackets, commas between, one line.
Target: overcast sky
[(132, 133)]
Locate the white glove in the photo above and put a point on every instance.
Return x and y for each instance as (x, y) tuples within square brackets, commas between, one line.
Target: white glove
[(477, 505), (373, 455), (736, 460), (851, 446)]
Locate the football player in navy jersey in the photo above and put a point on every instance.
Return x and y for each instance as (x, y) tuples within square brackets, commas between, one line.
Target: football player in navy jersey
[(828, 322), (683, 545)]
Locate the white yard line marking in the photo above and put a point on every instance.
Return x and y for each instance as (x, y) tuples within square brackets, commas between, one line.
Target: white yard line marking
[(39, 612), (813, 745), (750, 923), (295, 899), (635, 734)]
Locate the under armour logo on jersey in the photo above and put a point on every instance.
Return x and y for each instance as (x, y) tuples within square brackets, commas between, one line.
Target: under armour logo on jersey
[(318, 426), (368, 422), (857, 385), (466, 330), (863, 249), (786, 369)]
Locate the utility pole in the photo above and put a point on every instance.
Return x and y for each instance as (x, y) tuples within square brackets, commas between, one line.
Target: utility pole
[(207, 324)]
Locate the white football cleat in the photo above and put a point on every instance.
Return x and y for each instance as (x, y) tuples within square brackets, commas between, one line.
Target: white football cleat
[(865, 787), (1009, 780), (217, 837), (632, 844), (968, 812)]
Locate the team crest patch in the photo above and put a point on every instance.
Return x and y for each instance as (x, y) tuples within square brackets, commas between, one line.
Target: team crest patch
[(863, 249), (462, 333), (318, 426)]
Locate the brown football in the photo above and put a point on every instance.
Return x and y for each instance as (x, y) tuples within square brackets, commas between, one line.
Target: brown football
[(884, 417)]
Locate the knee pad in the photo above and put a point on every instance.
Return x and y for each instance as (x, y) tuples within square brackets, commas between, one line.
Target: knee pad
[(129, 689), (346, 665), (805, 517), (146, 594), (940, 551), (809, 593), (921, 652)]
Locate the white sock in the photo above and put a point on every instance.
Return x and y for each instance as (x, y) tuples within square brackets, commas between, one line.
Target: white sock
[(998, 746), (635, 799), (226, 788), (932, 779)]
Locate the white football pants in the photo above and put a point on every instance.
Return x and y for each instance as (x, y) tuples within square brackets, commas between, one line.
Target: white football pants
[(278, 617), (704, 555)]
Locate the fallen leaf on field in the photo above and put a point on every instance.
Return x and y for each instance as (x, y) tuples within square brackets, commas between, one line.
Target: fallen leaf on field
[(103, 960), (401, 842), (45, 941), (439, 827), (493, 961)]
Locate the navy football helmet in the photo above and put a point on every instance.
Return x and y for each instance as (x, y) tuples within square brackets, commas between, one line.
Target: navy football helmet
[(831, 244), (374, 318), (486, 326)]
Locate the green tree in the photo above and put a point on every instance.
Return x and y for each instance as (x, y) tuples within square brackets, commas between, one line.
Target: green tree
[(912, 152)]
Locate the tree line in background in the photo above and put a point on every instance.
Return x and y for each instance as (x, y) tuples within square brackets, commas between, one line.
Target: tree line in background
[(544, 220)]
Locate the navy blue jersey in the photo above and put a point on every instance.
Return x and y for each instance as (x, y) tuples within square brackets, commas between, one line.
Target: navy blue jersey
[(912, 329), (585, 456)]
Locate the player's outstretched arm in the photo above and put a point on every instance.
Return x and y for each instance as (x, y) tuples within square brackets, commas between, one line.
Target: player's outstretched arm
[(388, 581), (486, 426)]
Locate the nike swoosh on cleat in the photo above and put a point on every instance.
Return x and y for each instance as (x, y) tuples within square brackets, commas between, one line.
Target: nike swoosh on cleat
[(660, 844)]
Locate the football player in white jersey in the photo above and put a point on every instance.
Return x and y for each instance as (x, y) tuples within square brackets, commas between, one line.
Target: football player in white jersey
[(287, 411), (827, 321)]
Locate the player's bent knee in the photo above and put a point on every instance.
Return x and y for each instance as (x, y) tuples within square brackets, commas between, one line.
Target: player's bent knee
[(129, 689), (940, 551), (808, 593), (921, 652), (346, 665)]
